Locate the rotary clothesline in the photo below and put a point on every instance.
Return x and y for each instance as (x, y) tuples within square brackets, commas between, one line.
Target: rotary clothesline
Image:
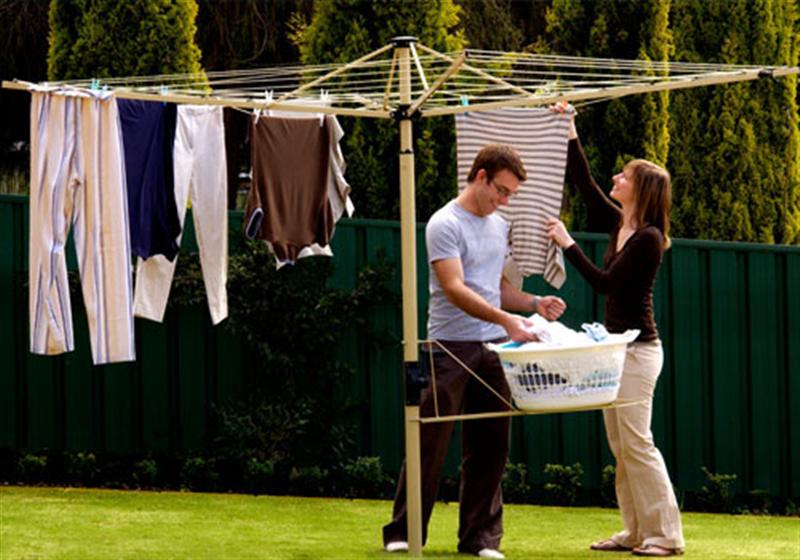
[(440, 83)]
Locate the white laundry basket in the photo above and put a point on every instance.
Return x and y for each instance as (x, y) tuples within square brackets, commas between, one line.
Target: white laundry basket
[(565, 377)]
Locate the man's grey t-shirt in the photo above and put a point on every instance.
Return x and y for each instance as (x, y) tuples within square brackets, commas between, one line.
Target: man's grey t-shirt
[(480, 243)]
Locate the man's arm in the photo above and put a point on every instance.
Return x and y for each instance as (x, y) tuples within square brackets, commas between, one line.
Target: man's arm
[(514, 299), (451, 278)]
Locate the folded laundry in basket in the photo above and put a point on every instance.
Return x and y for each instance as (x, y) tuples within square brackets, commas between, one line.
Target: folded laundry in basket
[(553, 332)]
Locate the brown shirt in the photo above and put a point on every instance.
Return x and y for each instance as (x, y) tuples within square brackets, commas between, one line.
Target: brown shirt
[(628, 275), (288, 202)]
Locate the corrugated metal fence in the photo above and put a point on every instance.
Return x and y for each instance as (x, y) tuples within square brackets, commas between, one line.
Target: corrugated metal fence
[(728, 398)]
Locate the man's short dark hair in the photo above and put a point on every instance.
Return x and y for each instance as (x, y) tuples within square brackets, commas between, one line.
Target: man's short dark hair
[(493, 158)]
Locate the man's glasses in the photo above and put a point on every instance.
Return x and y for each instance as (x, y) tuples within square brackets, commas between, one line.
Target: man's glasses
[(504, 192)]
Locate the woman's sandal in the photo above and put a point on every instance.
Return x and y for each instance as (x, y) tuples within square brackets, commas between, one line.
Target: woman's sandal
[(609, 545), (654, 550)]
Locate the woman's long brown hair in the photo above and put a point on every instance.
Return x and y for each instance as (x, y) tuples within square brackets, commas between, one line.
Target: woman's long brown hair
[(652, 190)]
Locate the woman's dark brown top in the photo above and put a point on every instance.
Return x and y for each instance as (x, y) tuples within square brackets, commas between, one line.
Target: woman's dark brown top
[(628, 275)]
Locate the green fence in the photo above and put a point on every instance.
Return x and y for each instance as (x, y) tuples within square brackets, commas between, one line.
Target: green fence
[(728, 398)]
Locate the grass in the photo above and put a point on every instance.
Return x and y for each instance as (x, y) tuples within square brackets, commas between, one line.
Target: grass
[(87, 523)]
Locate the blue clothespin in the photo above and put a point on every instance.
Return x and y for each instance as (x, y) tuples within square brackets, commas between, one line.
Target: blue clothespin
[(163, 90), (95, 85), (464, 103)]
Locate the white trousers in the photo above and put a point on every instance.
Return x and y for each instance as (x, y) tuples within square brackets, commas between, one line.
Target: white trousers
[(200, 174), (78, 179), (644, 492)]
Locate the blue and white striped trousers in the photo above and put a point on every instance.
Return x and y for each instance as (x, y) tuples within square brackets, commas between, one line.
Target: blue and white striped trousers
[(78, 179)]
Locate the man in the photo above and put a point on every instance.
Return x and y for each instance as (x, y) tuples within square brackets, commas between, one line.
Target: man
[(467, 243)]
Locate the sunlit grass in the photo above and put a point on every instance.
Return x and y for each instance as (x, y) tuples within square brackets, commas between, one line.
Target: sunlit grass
[(86, 523)]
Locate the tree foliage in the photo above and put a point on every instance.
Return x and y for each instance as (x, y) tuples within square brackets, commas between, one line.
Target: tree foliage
[(23, 55), (736, 163), (489, 25), (247, 33), (732, 149), (103, 38), (343, 30), (609, 29)]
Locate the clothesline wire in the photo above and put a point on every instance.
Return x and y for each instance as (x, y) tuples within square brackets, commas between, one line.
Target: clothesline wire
[(475, 57), (463, 84)]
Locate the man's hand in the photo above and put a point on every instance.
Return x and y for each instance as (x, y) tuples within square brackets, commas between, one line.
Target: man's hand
[(519, 329), (550, 307)]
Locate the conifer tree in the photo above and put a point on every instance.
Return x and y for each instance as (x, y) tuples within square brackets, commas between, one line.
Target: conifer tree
[(736, 163), (613, 132), (103, 38), (343, 30), (488, 25)]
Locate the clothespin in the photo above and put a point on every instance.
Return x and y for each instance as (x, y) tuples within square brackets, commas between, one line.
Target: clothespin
[(95, 85), (163, 90), (268, 96), (464, 103), (323, 97)]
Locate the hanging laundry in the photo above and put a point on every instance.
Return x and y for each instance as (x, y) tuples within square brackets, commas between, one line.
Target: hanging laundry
[(148, 134), (540, 137), (289, 206), (338, 187), (78, 180), (237, 144), (200, 175)]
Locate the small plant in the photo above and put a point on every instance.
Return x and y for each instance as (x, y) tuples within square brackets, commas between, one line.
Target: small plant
[(32, 467), (717, 495), (364, 477), (760, 502), (308, 481), (258, 475), (608, 486), (516, 489), (564, 484), (145, 473), (449, 487), (198, 474), (82, 467)]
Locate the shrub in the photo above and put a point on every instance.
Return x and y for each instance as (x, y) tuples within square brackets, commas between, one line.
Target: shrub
[(145, 473), (515, 483), (717, 495), (608, 486), (198, 474), (32, 467), (258, 475), (82, 467), (364, 477), (449, 487), (307, 481), (564, 483)]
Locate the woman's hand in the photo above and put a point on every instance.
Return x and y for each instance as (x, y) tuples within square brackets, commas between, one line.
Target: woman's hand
[(564, 107), (557, 232)]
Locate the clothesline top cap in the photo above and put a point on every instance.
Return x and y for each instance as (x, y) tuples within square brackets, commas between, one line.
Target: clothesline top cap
[(403, 40)]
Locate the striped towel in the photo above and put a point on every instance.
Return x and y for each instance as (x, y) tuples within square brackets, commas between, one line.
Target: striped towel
[(540, 137)]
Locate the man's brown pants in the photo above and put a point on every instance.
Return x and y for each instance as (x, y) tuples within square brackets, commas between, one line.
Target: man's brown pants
[(484, 447)]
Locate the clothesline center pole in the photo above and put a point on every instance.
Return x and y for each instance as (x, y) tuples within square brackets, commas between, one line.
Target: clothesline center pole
[(408, 236)]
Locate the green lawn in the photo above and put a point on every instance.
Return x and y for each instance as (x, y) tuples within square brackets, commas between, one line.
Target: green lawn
[(86, 523)]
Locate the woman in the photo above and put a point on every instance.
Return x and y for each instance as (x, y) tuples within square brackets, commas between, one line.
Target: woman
[(639, 235)]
